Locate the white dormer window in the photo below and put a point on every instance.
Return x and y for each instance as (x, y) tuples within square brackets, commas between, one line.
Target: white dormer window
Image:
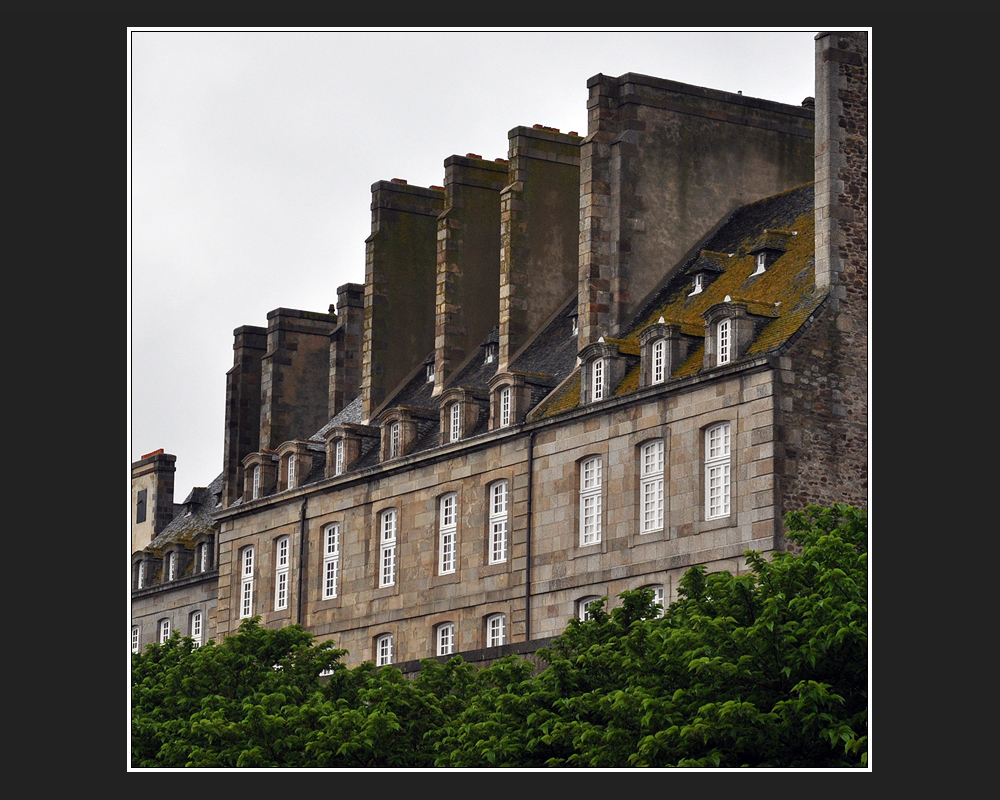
[(505, 407), (338, 459), (598, 380), (659, 352), (491, 353), (171, 566), (430, 372), (291, 471), (203, 557), (761, 263), (256, 483), (576, 325), (724, 342), (455, 416), (698, 286), (141, 579), (394, 437)]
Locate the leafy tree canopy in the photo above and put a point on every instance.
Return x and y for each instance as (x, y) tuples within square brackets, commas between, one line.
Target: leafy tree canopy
[(765, 669)]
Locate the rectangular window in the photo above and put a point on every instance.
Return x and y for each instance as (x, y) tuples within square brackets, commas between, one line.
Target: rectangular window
[(505, 407), (383, 650), (717, 450), (171, 566), (281, 574), (651, 486), (448, 534), (140, 580), (496, 630), (446, 639), (196, 628), (291, 471), (140, 507), (590, 501), (246, 585), (387, 549), (339, 458), (203, 556), (455, 411), (724, 343), (498, 522), (331, 561), (135, 639), (598, 381), (394, 440), (659, 361), (256, 483)]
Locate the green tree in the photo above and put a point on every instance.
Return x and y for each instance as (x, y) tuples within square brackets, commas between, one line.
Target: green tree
[(765, 669)]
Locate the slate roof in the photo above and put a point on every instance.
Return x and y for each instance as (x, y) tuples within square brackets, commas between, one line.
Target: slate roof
[(785, 292), (193, 519)]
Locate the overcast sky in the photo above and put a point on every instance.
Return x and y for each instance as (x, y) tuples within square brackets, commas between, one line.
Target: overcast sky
[(252, 155)]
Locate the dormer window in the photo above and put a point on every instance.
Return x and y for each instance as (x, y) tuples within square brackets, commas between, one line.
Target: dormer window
[(395, 437), (430, 372), (291, 471), (761, 263), (576, 325), (455, 422), (492, 351), (597, 380), (505, 401), (725, 341), (659, 361), (698, 285), (338, 457)]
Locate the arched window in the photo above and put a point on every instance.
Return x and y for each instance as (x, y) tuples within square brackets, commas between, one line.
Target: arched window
[(256, 482), (383, 650), (291, 471), (584, 608), (246, 583), (651, 485), (447, 534), (281, 559), (196, 628), (331, 560), (455, 417), (498, 522), (717, 451), (387, 548), (445, 639), (164, 630), (659, 361), (338, 468), (395, 434), (597, 380), (505, 409), (590, 501), (496, 630), (203, 557), (724, 342)]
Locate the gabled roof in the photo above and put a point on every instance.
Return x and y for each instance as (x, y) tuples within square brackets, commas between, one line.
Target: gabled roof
[(193, 520)]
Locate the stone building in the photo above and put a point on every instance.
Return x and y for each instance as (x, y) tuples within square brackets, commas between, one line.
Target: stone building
[(577, 371)]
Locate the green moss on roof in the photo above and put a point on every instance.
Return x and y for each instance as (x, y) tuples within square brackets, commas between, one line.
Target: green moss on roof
[(564, 399)]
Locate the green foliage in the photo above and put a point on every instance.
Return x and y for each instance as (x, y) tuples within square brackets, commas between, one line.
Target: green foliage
[(764, 669)]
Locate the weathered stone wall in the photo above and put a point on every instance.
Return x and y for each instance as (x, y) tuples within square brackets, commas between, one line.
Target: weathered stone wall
[(242, 407), (153, 474), (346, 343), (176, 603)]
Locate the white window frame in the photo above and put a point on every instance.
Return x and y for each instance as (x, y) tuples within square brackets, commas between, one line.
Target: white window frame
[(496, 630), (394, 440), (718, 449), (197, 629), (597, 379), (583, 607), (291, 472), (383, 650), (164, 630), (444, 639), (282, 557), (388, 522), (203, 557), (141, 577), (448, 534), (256, 482), (724, 341), (338, 459), (658, 356), (498, 499), (135, 639), (455, 422), (246, 582), (659, 596), (171, 566), (331, 560), (505, 397), (651, 462), (698, 285), (591, 480), (761, 264)]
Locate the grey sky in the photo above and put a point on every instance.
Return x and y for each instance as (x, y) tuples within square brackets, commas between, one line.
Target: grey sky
[(252, 156)]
